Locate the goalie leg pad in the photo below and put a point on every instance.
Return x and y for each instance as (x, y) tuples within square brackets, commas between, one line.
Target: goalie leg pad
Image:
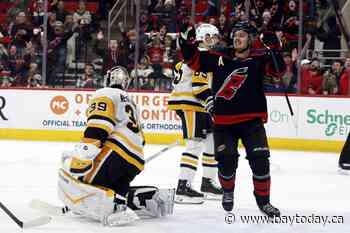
[(84, 199), (149, 201), (93, 202)]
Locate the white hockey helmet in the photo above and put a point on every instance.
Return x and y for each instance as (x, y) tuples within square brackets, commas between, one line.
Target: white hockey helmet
[(206, 33), (117, 75)]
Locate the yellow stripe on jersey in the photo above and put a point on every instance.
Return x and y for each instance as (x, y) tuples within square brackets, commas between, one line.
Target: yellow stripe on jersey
[(129, 158), (190, 119), (100, 126), (78, 165), (178, 66), (102, 106), (128, 142), (98, 161), (186, 107), (199, 90), (94, 141), (180, 94), (199, 79)]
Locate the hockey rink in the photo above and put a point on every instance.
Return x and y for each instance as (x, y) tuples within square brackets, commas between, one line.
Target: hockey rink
[(304, 186)]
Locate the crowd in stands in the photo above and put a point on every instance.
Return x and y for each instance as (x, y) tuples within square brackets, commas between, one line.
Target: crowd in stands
[(76, 32)]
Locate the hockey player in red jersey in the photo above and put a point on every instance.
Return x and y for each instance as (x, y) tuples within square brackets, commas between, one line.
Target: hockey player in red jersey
[(238, 106)]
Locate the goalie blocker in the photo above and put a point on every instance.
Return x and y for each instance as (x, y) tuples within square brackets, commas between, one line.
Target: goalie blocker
[(103, 204)]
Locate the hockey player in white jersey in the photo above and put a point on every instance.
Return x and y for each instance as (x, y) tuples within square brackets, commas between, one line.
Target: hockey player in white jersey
[(95, 177), (190, 90)]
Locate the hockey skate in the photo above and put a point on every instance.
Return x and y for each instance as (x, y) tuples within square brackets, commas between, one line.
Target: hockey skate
[(344, 168), (270, 210), (162, 204), (227, 201), (186, 195), (211, 189)]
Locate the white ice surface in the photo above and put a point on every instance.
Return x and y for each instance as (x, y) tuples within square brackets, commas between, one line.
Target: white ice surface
[(303, 183)]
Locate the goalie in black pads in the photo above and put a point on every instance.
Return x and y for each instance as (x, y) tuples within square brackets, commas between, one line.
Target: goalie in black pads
[(238, 106), (95, 177)]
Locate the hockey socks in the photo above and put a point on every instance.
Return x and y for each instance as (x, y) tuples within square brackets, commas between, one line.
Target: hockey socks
[(262, 189), (228, 185)]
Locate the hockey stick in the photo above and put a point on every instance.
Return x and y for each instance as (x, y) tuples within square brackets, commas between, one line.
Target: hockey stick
[(162, 151), (32, 223), (60, 211), (274, 60), (48, 208), (275, 63)]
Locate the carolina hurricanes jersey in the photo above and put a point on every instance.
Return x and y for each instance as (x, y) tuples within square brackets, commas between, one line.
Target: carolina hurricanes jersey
[(237, 85), (113, 120), (190, 89)]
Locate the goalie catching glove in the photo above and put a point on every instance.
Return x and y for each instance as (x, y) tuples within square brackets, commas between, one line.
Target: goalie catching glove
[(80, 161)]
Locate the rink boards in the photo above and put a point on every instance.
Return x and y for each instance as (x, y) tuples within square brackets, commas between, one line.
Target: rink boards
[(319, 123)]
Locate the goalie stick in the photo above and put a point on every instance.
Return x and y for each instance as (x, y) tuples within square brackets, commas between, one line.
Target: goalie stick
[(27, 224), (60, 211)]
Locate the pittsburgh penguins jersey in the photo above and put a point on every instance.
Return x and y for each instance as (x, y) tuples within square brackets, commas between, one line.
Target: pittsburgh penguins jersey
[(190, 89), (113, 121)]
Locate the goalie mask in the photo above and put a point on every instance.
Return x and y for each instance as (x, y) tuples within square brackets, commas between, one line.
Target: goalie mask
[(208, 35), (117, 76)]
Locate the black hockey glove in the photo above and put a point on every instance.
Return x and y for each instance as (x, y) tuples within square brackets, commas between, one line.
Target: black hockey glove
[(187, 32)]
